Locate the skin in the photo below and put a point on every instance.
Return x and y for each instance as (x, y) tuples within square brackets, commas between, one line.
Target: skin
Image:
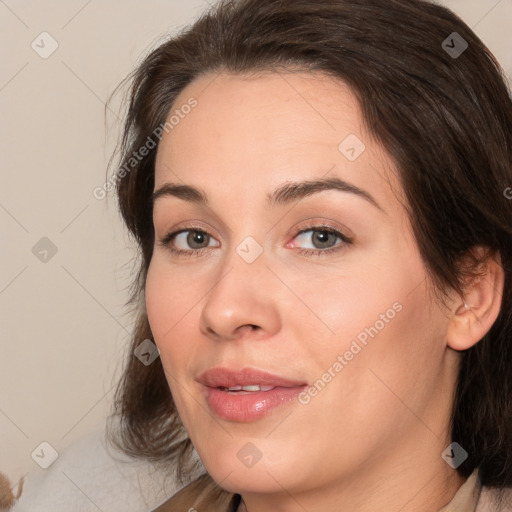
[(372, 438)]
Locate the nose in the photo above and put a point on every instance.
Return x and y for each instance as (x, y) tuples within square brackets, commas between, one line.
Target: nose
[(242, 300)]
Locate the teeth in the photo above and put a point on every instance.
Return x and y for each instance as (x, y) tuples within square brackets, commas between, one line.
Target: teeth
[(251, 387)]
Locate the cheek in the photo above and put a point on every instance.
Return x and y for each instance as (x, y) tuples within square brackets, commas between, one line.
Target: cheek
[(376, 323), (338, 308), (170, 309), (170, 298), (391, 361), (160, 303)]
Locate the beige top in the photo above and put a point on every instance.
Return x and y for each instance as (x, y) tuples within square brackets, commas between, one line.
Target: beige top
[(205, 495), (466, 498)]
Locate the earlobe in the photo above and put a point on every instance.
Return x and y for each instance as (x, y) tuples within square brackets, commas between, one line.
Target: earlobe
[(474, 314)]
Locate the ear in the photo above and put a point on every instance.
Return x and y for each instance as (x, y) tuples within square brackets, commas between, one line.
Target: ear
[(473, 315)]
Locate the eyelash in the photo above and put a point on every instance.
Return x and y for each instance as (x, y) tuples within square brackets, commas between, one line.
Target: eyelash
[(166, 241), (324, 228)]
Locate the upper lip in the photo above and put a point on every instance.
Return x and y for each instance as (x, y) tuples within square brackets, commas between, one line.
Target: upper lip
[(225, 377)]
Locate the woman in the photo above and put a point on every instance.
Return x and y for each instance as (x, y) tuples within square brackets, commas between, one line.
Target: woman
[(319, 193)]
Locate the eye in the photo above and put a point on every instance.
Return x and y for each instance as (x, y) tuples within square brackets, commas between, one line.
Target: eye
[(319, 240), (190, 241)]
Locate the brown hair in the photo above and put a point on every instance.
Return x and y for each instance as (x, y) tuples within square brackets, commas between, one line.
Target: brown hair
[(445, 118)]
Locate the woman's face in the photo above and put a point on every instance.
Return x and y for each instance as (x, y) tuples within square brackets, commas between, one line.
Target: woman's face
[(297, 271)]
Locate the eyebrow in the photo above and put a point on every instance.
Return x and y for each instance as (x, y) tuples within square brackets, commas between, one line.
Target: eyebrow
[(285, 194)]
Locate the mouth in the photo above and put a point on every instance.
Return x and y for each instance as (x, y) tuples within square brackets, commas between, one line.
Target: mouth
[(247, 395), (245, 378), (250, 388)]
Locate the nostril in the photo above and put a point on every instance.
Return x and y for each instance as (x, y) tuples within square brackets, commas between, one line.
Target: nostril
[(249, 327)]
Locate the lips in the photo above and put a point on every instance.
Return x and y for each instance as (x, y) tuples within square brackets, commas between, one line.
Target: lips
[(226, 378), (246, 395)]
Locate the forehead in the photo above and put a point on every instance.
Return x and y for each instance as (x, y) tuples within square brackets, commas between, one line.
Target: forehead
[(247, 111), (264, 129)]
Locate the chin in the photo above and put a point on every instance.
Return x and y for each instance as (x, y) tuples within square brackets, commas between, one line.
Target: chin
[(252, 480), (245, 469)]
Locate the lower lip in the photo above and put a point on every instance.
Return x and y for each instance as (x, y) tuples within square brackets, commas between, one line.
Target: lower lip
[(248, 406)]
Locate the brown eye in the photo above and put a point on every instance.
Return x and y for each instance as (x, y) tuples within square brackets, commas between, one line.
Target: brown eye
[(197, 239)]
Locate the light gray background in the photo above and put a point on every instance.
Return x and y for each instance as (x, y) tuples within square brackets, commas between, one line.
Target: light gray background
[(64, 325)]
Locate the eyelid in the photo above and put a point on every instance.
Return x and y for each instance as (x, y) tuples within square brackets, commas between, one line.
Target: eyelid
[(311, 226), (211, 238), (192, 226), (171, 235), (344, 242)]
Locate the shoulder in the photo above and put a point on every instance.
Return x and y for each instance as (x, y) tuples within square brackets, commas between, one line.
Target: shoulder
[(202, 494), (494, 499)]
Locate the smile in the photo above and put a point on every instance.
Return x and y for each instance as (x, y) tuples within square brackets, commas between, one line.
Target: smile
[(246, 395)]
